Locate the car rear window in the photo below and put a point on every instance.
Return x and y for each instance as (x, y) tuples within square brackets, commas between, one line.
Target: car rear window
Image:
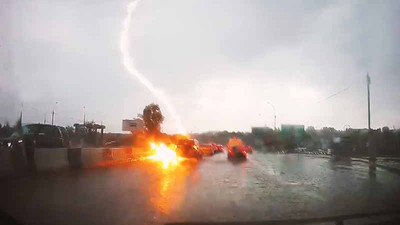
[(51, 131), (30, 129)]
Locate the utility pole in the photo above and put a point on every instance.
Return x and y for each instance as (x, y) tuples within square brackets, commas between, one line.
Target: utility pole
[(371, 146)]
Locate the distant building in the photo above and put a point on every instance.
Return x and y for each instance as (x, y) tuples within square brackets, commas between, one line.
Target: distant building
[(133, 125), (292, 127), (261, 131), (265, 136), (292, 135)]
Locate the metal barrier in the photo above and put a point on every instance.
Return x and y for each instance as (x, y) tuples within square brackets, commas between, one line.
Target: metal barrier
[(51, 158), (121, 153), (94, 156), (26, 157), (75, 157)]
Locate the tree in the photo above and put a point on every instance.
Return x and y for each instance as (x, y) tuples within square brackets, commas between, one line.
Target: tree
[(152, 118), (18, 125), (6, 130)]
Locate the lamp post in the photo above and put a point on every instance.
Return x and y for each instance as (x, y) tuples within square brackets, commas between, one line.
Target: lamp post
[(371, 143), (84, 115), (52, 114)]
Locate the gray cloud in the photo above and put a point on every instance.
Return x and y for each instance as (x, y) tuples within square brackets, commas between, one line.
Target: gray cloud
[(209, 57)]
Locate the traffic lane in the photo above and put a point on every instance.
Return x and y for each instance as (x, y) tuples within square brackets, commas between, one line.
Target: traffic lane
[(267, 186), (273, 186)]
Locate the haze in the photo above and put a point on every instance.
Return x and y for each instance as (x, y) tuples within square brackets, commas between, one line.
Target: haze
[(218, 62)]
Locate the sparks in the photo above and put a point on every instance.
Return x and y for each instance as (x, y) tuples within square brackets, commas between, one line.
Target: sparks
[(165, 154)]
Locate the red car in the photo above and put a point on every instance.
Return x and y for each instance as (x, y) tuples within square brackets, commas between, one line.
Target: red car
[(189, 148), (236, 149), (249, 149), (217, 148), (207, 149), (220, 148)]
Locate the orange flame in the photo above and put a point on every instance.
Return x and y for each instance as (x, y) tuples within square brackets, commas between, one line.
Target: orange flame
[(165, 154)]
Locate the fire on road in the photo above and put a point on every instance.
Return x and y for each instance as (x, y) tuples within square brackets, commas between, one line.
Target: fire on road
[(165, 154)]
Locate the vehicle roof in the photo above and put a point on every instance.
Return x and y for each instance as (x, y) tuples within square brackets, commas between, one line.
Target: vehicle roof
[(208, 145), (40, 124)]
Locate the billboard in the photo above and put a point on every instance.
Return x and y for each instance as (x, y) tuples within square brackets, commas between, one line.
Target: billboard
[(132, 125)]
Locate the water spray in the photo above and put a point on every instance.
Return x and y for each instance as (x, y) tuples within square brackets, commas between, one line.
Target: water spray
[(127, 61)]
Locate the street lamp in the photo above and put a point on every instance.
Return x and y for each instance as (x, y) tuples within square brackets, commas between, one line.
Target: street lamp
[(273, 107), (52, 114), (84, 115), (45, 117)]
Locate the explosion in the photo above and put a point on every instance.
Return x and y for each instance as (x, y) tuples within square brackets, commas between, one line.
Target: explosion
[(165, 154)]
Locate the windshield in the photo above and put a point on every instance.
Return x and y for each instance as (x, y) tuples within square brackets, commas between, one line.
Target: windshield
[(181, 111)]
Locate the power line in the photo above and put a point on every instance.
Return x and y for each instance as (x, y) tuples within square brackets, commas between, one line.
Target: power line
[(333, 95)]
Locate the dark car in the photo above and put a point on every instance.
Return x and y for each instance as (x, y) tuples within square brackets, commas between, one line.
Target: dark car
[(237, 152), (236, 149), (189, 148), (41, 135), (10, 142)]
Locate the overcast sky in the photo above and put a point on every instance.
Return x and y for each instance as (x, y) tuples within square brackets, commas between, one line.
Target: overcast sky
[(218, 62)]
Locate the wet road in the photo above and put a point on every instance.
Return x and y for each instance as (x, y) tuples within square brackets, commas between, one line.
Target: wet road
[(265, 187)]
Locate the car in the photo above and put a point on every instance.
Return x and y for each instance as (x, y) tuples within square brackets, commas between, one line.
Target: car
[(249, 149), (10, 142), (40, 135), (189, 148), (236, 149), (219, 148), (207, 149)]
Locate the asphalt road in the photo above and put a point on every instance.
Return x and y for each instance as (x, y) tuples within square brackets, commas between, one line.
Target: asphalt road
[(265, 187)]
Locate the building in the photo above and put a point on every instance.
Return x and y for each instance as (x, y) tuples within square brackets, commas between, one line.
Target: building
[(133, 125)]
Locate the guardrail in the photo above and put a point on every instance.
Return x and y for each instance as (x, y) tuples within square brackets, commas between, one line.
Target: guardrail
[(25, 158), (51, 158)]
